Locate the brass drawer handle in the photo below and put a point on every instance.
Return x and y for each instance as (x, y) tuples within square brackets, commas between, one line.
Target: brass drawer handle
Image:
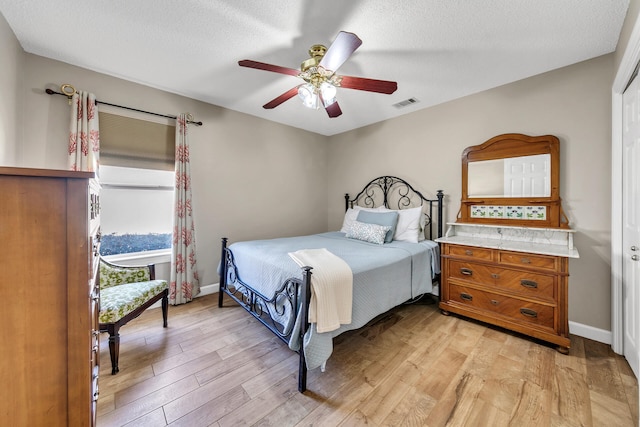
[(495, 275), (466, 271), (466, 297), (528, 312), (528, 283), (525, 260), (468, 252), (495, 302)]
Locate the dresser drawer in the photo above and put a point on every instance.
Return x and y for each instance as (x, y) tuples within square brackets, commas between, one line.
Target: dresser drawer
[(513, 308), (470, 252), (523, 282), (528, 260)]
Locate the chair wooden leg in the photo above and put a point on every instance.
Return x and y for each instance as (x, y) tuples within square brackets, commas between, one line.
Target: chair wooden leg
[(113, 328), (165, 307), (114, 347)]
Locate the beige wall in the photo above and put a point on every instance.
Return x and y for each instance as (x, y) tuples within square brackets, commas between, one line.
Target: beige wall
[(251, 178), (424, 147), (11, 60), (256, 179)]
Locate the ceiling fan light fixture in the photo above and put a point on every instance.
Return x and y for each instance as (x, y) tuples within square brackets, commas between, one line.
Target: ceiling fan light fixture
[(327, 94), (328, 90), (307, 92)]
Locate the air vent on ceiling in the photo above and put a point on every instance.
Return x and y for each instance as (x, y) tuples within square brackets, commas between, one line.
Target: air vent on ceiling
[(406, 102)]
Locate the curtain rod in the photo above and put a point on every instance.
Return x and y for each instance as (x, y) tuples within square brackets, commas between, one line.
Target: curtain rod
[(53, 92)]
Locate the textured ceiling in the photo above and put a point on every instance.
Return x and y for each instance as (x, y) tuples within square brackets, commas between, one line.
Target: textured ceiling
[(437, 50)]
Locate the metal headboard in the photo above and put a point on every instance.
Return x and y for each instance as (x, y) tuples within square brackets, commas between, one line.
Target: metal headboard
[(396, 193)]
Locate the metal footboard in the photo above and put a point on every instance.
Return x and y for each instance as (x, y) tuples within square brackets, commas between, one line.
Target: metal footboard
[(288, 303)]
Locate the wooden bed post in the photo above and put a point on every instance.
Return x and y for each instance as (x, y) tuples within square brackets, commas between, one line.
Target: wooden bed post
[(223, 271), (305, 297)]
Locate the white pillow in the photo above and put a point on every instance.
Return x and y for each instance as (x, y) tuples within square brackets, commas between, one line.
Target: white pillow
[(423, 224), (408, 227), (352, 214)]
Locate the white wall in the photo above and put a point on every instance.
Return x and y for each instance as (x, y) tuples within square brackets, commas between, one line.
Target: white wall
[(425, 148)]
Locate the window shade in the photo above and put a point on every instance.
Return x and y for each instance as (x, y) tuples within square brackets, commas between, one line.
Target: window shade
[(129, 142)]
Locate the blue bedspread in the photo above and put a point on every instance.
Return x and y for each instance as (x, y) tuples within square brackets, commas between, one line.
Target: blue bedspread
[(384, 276)]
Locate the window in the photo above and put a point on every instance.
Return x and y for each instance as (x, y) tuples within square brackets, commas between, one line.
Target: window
[(137, 178), (136, 209)]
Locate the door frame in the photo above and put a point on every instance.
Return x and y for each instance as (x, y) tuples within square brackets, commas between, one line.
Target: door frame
[(630, 59)]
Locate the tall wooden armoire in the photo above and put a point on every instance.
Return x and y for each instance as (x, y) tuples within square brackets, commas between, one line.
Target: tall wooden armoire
[(49, 241)]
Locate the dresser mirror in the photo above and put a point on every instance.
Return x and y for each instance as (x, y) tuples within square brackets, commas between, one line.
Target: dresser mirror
[(522, 176), (512, 179)]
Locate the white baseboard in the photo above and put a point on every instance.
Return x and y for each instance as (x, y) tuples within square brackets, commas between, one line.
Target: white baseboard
[(208, 289), (575, 328), (204, 290), (590, 332)]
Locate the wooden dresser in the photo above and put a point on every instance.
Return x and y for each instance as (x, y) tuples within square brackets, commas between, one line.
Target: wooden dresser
[(513, 277), (49, 234)]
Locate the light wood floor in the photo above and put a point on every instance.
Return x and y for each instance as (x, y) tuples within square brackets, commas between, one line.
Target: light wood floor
[(412, 366)]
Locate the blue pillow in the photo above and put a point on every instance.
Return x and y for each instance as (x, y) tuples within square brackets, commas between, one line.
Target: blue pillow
[(389, 219)]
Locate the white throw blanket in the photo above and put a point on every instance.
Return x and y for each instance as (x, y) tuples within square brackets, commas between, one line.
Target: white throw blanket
[(331, 288)]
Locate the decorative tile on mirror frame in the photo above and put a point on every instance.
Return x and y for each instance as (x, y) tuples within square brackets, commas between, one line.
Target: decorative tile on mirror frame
[(514, 212), (536, 212), (478, 211), (495, 212)]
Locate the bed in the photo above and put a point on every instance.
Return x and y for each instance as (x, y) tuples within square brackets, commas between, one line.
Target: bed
[(371, 265)]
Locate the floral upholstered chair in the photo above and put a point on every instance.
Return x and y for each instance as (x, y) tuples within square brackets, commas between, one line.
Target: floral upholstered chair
[(125, 292)]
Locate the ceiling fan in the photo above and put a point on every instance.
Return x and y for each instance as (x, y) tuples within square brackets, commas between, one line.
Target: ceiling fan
[(318, 72)]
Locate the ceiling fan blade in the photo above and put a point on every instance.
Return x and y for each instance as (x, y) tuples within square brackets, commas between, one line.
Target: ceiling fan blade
[(268, 67), (340, 50), (333, 110), (371, 85), (282, 98)]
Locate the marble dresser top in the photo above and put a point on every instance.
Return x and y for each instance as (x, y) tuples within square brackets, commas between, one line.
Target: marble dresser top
[(545, 241)]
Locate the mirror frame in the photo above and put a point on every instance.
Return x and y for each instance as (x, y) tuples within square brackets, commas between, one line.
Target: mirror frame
[(507, 146)]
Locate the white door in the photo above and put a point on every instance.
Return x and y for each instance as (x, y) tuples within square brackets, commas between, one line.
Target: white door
[(631, 223)]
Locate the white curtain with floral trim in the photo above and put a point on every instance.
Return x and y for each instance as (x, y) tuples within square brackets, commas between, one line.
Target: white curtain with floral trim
[(184, 282), (84, 137)]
